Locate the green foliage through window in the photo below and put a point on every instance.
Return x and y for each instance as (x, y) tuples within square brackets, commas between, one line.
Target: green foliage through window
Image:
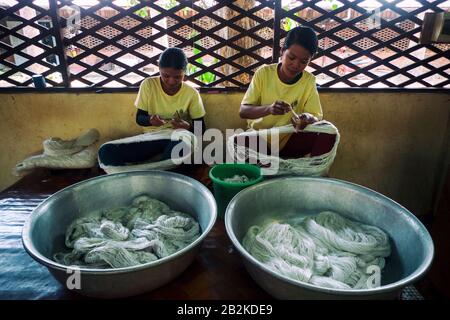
[(206, 77)]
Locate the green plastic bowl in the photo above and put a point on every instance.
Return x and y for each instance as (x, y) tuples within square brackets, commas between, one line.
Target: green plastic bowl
[(225, 191)]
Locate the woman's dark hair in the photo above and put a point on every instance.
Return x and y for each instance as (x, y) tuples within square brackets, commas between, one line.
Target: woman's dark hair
[(304, 36), (173, 58)]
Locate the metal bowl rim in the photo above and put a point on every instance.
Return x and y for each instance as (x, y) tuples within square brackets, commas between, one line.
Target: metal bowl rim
[(423, 267), (36, 255)]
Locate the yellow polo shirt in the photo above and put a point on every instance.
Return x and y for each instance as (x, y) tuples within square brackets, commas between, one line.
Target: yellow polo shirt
[(154, 100), (266, 88)]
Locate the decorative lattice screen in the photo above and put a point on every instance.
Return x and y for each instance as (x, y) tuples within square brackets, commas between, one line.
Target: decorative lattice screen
[(88, 43)]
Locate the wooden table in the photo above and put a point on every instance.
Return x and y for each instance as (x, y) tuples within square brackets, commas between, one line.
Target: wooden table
[(216, 273)]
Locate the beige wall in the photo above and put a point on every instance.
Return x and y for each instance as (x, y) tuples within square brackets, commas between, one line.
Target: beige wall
[(394, 143)]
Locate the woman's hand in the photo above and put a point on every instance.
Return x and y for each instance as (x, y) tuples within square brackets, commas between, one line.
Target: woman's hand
[(180, 124), (302, 121), (279, 108), (157, 121)]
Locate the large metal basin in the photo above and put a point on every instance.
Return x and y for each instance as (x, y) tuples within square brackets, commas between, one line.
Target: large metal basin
[(43, 233), (412, 246)]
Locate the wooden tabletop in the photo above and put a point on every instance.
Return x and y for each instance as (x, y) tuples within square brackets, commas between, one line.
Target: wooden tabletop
[(216, 273)]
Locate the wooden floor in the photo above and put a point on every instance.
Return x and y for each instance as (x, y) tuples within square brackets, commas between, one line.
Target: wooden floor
[(216, 273)]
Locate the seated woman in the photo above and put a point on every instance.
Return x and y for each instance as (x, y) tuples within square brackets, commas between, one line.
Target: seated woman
[(163, 102), (277, 88)]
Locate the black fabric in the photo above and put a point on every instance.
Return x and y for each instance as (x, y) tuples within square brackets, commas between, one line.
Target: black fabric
[(136, 152), (142, 118), (302, 143)]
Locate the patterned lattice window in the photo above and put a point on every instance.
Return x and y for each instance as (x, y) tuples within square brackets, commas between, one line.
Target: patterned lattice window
[(90, 43)]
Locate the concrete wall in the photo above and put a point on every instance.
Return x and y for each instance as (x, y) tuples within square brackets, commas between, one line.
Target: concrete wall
[(394, 143)]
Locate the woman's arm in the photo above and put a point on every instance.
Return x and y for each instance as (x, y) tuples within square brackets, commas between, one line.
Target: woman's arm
[(182, 124), (254, 112), (146, 120), (142, 118)]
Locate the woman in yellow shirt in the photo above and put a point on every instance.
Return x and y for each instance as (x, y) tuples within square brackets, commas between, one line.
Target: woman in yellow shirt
[(161, 98), (277, 88), (163, 101)]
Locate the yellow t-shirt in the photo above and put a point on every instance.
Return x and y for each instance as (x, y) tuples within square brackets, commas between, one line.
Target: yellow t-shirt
[(266, 88), (154, 100)]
